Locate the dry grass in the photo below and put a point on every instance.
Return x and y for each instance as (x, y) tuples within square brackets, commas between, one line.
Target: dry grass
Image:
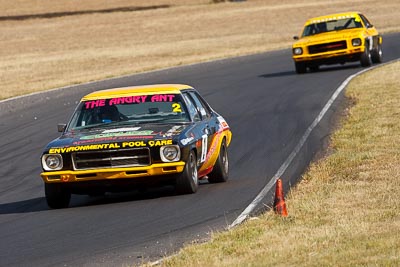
[(29, 7), (40, 54), (346, 210)]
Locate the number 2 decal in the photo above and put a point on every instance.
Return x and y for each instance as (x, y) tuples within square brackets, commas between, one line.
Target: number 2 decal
[(176, 108), (203, 148)]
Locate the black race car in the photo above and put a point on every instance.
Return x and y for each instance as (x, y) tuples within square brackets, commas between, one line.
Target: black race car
[(126, 138)]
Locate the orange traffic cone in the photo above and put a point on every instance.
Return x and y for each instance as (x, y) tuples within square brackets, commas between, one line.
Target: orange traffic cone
[(279, 202)]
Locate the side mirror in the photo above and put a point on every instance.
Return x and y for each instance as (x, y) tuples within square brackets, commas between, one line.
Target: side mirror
[(61, 127), (296, 37)]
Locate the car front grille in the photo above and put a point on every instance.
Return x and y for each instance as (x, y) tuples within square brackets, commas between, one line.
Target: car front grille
[(111, 158), (321, 48)]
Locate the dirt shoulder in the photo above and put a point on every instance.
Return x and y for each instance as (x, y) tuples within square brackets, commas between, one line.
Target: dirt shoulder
[(40, 53)]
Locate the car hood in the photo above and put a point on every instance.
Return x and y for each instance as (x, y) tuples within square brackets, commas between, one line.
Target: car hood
[(119, 134), (328, 37)]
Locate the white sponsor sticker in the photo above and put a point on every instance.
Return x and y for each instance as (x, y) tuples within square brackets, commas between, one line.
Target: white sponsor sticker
[(186, 141), (118, 130)]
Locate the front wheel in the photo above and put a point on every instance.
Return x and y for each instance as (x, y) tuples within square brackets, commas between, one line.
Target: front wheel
[(314, 68), (220, 171), (376, 55), (301, 67), (365, 59), (57, 196), (187, 182)]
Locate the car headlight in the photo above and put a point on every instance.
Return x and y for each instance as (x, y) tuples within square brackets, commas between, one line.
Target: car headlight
[(356, 42), (297, 51), (170, 153), (52, 162)]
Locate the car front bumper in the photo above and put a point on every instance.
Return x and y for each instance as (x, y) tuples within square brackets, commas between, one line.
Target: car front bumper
[(332, 56), (70, 176)]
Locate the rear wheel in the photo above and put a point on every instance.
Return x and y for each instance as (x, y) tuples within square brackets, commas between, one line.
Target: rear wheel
[(57, 196), (365, 59), (301, 67), (221, 168), (187, 181)]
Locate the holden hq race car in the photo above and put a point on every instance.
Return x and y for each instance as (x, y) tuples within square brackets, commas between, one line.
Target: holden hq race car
[(337, 38), (126, 138)]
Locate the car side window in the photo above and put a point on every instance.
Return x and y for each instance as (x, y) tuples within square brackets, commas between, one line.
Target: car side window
[(191, 107), (202, 108), (365, 21)]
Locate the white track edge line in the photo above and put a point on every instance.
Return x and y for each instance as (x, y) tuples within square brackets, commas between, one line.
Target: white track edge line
[(249, 209)]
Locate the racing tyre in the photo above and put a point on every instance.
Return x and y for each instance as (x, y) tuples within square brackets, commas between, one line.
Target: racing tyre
[(57, 196), (365, 59), (301, 67), (314, 68), (187, 182), (220, 171), (376, 55)]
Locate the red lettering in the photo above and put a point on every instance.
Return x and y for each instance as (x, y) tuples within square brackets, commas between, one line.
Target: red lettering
[(162, 98), (95, 103), (154, 98), (114, 101)]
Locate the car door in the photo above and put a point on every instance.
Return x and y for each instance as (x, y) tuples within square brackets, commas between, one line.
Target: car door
[(204, 129)]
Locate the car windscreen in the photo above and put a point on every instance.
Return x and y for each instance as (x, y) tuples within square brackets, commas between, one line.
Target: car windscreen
[(156, 108), (331, 25)]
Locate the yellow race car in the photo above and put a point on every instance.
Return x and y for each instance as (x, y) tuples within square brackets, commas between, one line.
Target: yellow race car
[(337, 39)]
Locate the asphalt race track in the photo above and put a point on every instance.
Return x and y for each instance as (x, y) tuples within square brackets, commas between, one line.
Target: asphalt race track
[(268, 107)]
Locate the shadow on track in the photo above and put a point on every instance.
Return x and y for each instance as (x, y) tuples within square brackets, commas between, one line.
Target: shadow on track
[(321, 70), (278, 74), (338, 68), (24, 206), (39, 204)]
